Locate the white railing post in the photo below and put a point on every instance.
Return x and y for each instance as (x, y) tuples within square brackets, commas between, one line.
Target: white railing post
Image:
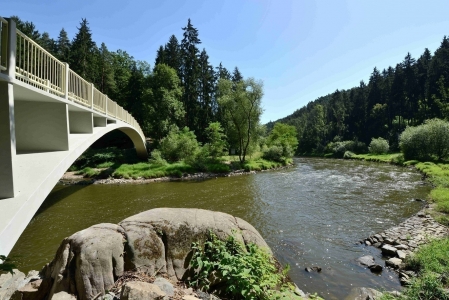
[(91, 96), (106, 105), (66, 81), (11, 52)]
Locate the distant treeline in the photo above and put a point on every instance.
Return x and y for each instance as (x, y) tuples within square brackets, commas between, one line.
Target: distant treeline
[(405, 95), (180, 90)]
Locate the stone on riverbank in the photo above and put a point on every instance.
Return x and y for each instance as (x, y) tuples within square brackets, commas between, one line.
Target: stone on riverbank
[(158, 241), (137, 290)]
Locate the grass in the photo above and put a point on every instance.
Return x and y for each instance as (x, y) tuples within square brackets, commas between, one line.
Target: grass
[(113, 162), (394, 158), (431, 263)]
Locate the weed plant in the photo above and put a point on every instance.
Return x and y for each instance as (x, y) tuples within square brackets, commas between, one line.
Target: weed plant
[(243, 272)]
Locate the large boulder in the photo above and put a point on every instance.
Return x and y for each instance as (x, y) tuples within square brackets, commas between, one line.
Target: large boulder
[(87, 263), (155, 241), (160, 239)]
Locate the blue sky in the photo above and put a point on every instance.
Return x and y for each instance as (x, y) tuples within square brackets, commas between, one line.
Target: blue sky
[(300, 49)]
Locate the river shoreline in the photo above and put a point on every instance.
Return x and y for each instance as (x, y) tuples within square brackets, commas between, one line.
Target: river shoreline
[(70, 178)]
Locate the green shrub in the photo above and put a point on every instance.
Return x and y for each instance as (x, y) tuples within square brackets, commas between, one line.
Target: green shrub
[(378, 146), (348, 154), (426, 140), (338, 148), (179, 144), (6, 265), (245, 272), (104, 158), (274, 153), (157, 159)]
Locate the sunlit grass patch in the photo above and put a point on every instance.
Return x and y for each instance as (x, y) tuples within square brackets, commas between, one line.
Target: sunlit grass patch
[(394, 158)]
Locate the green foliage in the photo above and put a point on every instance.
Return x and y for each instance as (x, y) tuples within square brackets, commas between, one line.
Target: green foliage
[(274, 153), (157, 159), (426, 140), (348, 155), (103, 158), (338, 148), (431, 262), (245, 272), (284, 136), (6, 265), (216, 140), (162, 101), (240, 103), (263, 164), (179, 145), (146, 170), (378, 146)]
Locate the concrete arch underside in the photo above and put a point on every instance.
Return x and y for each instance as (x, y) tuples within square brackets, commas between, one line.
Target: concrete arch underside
[(37, 174)]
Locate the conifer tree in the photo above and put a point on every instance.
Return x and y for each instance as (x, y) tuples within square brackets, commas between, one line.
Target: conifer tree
[(63, 46), (190, 74), (82, 52)]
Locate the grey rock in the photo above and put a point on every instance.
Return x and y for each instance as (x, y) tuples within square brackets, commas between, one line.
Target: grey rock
[(165, 286), (161, 238), (394, 262), (137, 290), (388, 250), (375, 268), (401, 247), (87, 262), (363, 293), (9, 283), (63, 296), (401, 254), (366, 260)]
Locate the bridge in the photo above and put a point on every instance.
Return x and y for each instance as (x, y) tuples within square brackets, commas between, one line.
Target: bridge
[(49, 116)]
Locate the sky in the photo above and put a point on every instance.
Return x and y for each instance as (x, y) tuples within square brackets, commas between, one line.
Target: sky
[(299, 49)]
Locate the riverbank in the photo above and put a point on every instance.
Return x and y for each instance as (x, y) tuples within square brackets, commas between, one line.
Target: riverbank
[(119, 176), (418, 248)]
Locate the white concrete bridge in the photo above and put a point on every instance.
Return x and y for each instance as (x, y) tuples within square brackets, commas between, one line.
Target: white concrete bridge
[(49, 116)]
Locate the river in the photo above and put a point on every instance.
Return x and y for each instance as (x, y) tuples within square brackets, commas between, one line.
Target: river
[(312, 214)]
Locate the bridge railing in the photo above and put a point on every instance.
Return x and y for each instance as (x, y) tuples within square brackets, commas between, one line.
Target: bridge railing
[(37, 67)]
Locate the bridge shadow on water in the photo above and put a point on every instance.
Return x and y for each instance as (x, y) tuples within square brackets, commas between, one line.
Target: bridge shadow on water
[(59, 192)]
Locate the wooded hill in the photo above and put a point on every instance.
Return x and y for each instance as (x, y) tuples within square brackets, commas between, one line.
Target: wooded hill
[(404, 95)]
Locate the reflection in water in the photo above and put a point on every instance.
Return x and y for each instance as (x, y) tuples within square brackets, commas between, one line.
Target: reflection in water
[(311, 215)]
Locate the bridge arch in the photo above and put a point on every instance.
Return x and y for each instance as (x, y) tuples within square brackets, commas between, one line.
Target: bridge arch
[(49, 116)]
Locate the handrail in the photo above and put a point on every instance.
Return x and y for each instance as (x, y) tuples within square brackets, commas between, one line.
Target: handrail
[(3, 44), (100, 101), (37, 67), (79, 89)]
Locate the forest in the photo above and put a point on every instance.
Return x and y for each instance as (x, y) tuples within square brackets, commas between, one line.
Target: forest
[(404, 95)]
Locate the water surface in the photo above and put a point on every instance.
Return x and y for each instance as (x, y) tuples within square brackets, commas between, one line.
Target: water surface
[(312, 214)]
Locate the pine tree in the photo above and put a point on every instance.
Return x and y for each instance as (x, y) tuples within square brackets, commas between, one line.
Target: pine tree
[(105, 82), (190, 74), (173, 54), (82, 52), (236, 75), (208, 105), (63, 46), (48, 43)]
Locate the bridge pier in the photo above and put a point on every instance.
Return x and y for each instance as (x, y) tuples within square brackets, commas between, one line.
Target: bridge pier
[(7, 122), (7, 140)]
